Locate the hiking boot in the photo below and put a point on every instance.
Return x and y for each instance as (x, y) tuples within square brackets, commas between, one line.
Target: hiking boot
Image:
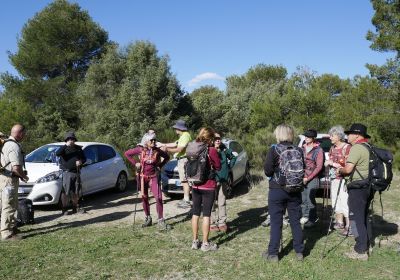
[(205, 247), (223, 228), (338, 226), (299, 257), (162, 225), (347, 232), (270, 258), (214, 228), (267, 221), (357, 256), (184, 204), (147, 222), (74, 210), (12, 237), (196, 244), (303, 220)]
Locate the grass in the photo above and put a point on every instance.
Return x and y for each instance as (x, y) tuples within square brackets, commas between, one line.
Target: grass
[(124, 252)]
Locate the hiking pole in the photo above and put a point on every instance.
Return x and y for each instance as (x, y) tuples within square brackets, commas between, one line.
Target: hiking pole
[(137, 195), (80, 189), (332, 215)]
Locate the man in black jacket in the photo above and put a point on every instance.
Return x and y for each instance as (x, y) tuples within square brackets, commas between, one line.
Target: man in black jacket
[(71, 160)]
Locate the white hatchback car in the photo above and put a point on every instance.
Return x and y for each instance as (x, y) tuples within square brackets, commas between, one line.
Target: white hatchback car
[(241, 170), (104, 169)]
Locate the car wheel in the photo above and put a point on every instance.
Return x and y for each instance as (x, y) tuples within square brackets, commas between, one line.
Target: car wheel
[(229, 187), (122, 182)]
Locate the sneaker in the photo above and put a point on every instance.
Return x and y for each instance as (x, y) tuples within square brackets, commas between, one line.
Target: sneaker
[(299, 257), (80, 209), (196, 244), (270, 258), (184, 204), (162, 225), (205, 247), (12, 237), (267, 221), (147, 222), (357, 256), (346, 232), (303, 220), (64, 212), (338, 226), (223, 228), (214, 228)]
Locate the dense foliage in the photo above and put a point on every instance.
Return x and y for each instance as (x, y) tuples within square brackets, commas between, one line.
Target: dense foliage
[(73, 78)]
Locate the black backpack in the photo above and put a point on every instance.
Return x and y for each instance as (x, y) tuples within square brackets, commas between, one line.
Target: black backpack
[(196, 168), (25, 213), (380, 168)]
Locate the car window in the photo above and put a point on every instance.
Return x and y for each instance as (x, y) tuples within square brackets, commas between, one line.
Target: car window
[(105, 152), (91, 153), (44, 154), (235, 146)]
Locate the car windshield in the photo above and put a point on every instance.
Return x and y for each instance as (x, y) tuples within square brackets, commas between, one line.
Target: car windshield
[(44, 154)]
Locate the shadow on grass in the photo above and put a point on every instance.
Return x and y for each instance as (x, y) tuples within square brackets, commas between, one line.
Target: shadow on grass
[(246, 220), (72, 224)]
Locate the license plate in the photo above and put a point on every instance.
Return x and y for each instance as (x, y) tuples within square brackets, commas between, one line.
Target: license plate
[(178, 183)]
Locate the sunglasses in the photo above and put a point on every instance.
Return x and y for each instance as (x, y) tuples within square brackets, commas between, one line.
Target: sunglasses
[(217, 139), (153, 140)]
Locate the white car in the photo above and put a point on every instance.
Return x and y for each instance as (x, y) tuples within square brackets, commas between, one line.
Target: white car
[(241, 170), (325, 143), (104, 169)]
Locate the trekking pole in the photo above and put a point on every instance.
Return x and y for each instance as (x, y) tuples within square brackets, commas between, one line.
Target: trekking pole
[(332, 215), (80, 188), (137, 195)]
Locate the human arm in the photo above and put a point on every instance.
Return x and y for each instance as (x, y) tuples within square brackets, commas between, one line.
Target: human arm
[(319, 161), (269, 165), (165, 158), (61, 151), (214, 159), (129, 154)]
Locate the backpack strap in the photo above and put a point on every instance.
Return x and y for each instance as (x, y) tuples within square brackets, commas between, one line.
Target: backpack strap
[(315, 153), (1, 151)]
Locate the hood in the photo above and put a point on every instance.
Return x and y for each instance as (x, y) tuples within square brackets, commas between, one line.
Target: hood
[(37, 170)]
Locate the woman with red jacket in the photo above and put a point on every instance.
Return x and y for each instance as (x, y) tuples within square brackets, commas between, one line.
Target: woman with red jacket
[(204, 194), (151, 160), (314, 162)]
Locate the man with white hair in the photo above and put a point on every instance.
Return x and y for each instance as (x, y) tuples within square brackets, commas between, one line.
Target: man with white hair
[(12, 162)]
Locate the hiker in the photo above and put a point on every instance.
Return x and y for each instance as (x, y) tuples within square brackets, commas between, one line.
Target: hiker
[(314, 161), (71, 160), (360, 194), (152, 159), (338, 154), (203, 194), (284, 191), (12, 162), (228, 160), (179, 148)]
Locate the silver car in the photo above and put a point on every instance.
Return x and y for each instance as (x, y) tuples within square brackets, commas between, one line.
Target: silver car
[(241, 170), (104, 169)]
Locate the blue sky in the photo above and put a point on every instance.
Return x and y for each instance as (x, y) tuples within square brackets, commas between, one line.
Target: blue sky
[(207, 41)]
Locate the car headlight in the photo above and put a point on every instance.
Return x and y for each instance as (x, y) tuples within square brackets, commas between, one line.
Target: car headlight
[(50, 177)]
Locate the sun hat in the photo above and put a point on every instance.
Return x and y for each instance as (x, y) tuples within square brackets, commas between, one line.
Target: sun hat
[(310, 133), (358, 128), (180, 125), (70, 135)]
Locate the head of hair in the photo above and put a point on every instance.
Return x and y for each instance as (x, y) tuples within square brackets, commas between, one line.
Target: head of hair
[(206, 135), (338, 131), (284, 133)]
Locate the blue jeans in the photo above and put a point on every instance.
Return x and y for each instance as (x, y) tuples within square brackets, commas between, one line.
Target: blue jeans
[(309, 205), (278, 201)]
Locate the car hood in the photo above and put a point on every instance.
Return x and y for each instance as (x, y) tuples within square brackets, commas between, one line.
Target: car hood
[(37, 170)]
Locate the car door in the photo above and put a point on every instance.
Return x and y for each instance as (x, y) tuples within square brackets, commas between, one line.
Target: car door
[(239, 168), (91, 173), (108, 163)]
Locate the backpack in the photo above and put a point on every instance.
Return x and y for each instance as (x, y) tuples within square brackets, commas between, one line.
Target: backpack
[(291, 168), (2, 143), (25, 213), (380, 173), (196, 168)]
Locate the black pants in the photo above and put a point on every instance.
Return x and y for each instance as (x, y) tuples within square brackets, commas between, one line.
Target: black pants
[(278, 201), (205, 198), (359, 201)]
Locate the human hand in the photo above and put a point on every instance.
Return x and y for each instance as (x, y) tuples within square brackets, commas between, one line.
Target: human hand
[(78, 163), (305, 180)]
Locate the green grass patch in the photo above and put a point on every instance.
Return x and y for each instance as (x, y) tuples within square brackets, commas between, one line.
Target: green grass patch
[(124, 252)]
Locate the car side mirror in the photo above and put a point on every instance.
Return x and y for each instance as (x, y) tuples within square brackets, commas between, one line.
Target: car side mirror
[(235, 154)]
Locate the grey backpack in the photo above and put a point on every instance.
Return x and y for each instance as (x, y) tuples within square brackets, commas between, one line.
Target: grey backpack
[(291, 168), (196, 168)]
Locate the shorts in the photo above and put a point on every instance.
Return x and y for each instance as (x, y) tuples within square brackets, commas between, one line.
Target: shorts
[(203, 198), (181, 169), (70, 183)]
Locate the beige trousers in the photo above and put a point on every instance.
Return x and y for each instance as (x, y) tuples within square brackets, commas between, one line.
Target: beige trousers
[(9, 204)]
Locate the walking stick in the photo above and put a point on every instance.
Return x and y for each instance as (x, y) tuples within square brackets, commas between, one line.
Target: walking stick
[(325, 198), (80, 191), (330, 222), (138, 178)]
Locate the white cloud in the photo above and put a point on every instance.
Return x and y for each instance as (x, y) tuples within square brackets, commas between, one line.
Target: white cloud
[(205, 76)]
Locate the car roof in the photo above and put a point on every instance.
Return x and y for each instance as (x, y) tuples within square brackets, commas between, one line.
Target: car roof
[(83, 144), (319, 135)]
